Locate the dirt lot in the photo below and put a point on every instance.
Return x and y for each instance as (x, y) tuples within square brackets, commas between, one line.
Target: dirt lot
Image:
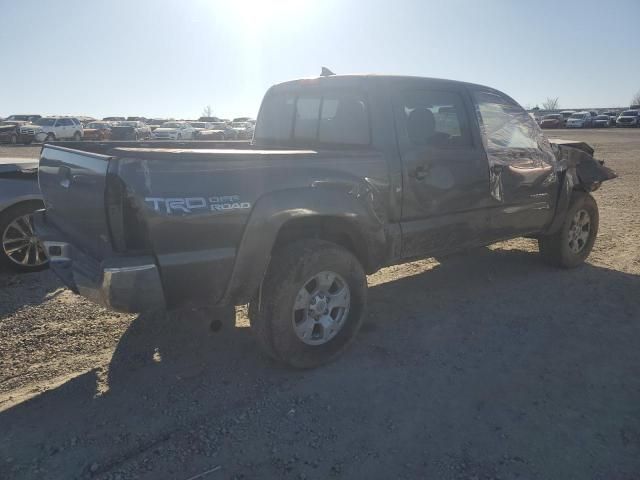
[(488, 365)]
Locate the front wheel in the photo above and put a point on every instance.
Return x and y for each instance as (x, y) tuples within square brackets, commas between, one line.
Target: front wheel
[(572, 243), (311, 303), (77, 137)]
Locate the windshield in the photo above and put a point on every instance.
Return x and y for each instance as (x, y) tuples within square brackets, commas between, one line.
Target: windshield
[(630, 113), (199, 125), (219, 126), (128, 124), (552, 117), (602, 117), (239, 124), (46, 122), (171, 125), (97, 125), (579, 116)]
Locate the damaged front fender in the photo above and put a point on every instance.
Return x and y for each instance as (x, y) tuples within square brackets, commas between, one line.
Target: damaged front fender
[(587, 173), (580, 171)]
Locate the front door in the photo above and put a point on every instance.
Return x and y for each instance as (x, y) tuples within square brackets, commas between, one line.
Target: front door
[(524, 185), (445, 175)]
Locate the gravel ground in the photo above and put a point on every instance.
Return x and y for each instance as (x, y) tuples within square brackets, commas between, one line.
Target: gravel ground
[(489, 365)]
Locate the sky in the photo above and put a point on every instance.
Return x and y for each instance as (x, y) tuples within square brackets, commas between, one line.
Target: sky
[(168, 58)]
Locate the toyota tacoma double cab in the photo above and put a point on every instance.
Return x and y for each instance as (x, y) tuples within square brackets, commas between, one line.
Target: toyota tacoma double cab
[(345, 174)]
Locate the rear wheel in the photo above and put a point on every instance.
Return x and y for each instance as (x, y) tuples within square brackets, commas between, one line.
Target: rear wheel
[(311, 304), (572, 243), (50, 138), (77, 137), (14, 139), (20, 249)]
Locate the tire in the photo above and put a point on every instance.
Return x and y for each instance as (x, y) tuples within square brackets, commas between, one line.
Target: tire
[(50, 138), (13, 139), (77, 137), (307, 265), (570, 246), (9, 238), (179, 137)]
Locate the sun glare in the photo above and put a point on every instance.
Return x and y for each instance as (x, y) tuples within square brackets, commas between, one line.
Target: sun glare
[(256, 16)]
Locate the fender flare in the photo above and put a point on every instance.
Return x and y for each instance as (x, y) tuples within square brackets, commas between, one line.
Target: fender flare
[(272, 211)]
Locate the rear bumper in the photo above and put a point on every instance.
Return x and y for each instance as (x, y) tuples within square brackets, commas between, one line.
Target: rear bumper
[(123, 284)]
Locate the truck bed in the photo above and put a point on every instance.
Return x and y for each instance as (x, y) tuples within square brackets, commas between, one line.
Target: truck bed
[(185, 209)]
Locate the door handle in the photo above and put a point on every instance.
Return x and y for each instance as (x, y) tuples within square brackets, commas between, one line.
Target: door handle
[(420, 172)]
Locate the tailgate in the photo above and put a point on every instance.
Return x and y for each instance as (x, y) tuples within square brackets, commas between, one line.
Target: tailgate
[(72, 183)]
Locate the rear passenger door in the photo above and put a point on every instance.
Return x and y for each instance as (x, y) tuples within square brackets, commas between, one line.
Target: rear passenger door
[(523, 179), (445, 176)]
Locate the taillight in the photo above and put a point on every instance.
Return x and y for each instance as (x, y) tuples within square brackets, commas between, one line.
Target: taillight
[(127, 227)]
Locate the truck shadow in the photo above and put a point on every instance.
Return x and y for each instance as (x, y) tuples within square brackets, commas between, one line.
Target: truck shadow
[(469, 318)]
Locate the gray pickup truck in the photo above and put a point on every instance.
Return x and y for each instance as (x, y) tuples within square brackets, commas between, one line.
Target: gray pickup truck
[(344, 175)]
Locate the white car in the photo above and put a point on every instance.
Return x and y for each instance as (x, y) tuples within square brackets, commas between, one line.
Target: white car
[(58, 128), (629, 118), (174, 131), (580, 120), (244, 130)]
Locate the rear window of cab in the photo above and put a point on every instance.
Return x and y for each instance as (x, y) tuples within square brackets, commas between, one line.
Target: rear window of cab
[(322, 118)]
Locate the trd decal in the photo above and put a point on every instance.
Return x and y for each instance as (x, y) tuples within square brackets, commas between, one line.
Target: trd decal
[(220, 204)]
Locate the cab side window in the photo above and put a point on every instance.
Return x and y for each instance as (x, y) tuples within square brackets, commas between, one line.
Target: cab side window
[(435, 118)]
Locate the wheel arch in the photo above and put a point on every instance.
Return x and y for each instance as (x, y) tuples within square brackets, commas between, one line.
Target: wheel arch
[(283, 217)]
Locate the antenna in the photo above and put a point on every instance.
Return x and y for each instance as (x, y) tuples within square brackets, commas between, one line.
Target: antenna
[(325, 72)]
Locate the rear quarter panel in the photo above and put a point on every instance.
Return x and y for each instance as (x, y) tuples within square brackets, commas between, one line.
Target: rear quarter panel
[(196, 205)]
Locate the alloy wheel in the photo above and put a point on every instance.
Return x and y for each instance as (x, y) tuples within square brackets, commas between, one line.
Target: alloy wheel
[(321, 308), (21, 245), (579, 231)]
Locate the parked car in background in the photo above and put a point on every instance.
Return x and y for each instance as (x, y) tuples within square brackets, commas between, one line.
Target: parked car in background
[(130, 130), (208, 119), (244, 130), (137, 119), (612, 117), (601, 121), (15, 131), (629, 118), (218, 131), (58, 128), (250, 120), (174, 131), (84, 120), (19, 197), (154, 123), (553, 120), (580, 120), (200, 127), (24, 118), (97, 131), (566, 114), (113, 119)]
